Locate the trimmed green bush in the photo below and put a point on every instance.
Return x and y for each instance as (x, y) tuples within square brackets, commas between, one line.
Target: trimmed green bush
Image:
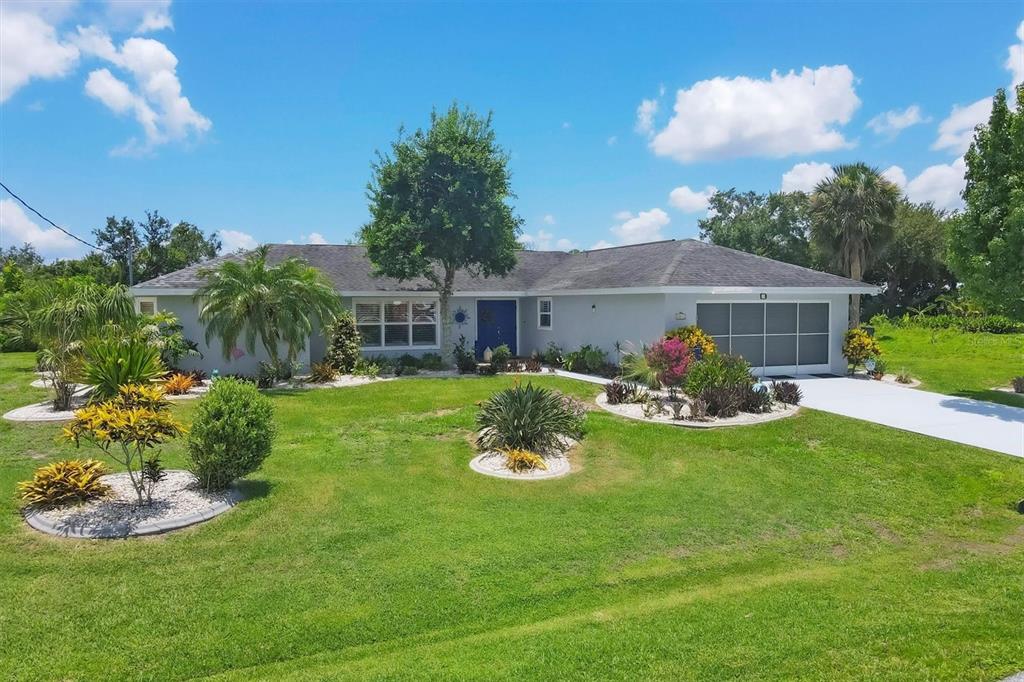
[(343, 351), (231, 435)]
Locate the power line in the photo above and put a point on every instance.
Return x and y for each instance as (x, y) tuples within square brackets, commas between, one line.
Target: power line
[(76, 238)]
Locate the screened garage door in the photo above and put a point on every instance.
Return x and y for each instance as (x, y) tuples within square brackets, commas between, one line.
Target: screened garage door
[(775, 338)]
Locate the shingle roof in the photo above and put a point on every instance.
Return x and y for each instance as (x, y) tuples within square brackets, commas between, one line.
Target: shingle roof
[(686, 262)]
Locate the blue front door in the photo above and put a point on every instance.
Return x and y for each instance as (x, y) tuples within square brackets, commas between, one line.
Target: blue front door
[(495, 325)]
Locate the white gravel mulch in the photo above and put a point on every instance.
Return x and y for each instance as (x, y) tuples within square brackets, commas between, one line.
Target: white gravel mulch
[(492, 463), (886, 379), (44, 412), (636, 411), (177, 502)]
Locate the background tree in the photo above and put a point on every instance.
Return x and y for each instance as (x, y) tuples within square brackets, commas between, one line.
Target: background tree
[(25, 257), (987, 239), (912, 267), (851, 220), (440, 204), (187, 246), (775, 225), (275, 303), (119, 240)]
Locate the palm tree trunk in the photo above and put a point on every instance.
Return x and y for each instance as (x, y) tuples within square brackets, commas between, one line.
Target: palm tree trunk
[(856, 273)]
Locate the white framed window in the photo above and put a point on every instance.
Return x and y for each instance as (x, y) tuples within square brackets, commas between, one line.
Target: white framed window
[(146, 306), (545, 314), (396, 324)]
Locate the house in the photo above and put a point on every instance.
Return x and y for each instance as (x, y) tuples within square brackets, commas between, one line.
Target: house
[(782, 318)]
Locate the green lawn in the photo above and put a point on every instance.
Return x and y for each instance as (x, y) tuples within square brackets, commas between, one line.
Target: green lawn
[(955, 362), (815, 547)]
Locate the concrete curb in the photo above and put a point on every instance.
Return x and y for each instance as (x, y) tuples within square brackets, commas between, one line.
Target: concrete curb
[(564, 469), (126, 530)]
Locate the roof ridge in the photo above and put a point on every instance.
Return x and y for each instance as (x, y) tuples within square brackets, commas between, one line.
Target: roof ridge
[(666, 276), (774, 260)]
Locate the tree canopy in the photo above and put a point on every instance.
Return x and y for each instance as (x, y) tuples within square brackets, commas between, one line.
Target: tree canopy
[(986, 247), (157, 246), (439, 203), (775, 225)]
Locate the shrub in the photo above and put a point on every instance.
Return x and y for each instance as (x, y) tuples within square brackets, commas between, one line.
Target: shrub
[(364, 367), (179, 384), (198, 376), (618, 392), (486, 369), (698, 409), (715, 371), (431, 362), (859, 346), (69, 480), (695, 339), (323, 372), (757, 399), (269, 373), (112, 363), (904, 377), (231, 434), (881, 367), (344, 344), (588, 359), (163, 331), (724, 400), (523, 460), (126, 428), (636, 368), (992, 324), (652, 406), (552, 355), (465, 360), (500, 356), (1018, 384), (403, 370), (669, 359), (787, 392), (530, 365), (529, 418)]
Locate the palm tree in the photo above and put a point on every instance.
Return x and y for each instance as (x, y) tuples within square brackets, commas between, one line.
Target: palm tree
[(852, 214), (277, 303)]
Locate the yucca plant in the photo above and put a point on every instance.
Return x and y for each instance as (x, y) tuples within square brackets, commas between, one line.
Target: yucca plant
[(113, 363), (69, 480), (528, 418)]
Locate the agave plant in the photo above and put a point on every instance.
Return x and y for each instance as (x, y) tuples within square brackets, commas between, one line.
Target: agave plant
[(528, 418), (113, 363)]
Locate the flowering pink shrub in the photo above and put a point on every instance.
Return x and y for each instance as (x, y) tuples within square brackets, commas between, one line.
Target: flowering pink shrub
[(669, 359)]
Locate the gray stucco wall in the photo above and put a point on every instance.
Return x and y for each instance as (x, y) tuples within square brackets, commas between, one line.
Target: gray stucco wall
[(187, 312), (600, 320)]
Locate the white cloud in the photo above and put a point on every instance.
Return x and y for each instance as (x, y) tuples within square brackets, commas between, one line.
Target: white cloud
[(545, 241), (957, 130), (804, 177), (29, 48), (549, 219), (16, 228), (645, 116), (233, 240), (793, 113), (891, 123), (159, 106), (602, 245), (613, 140), (1015, 60), (691, 201), (140, 16), (645, 226), (314, 238), (566, 125), (896, 176), (940, 184)]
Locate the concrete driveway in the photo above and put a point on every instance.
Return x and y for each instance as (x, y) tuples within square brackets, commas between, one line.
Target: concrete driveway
[(962, 420)]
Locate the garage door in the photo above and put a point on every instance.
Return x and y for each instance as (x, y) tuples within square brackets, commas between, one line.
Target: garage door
[(775, 338)]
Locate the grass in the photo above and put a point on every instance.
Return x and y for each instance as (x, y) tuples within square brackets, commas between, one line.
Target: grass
[(954, 362), (815, 547)]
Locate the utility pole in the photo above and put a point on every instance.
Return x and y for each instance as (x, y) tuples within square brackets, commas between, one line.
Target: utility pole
[(131, 258)]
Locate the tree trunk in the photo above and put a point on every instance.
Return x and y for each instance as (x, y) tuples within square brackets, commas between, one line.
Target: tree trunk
[(445, 293), (856, 273)]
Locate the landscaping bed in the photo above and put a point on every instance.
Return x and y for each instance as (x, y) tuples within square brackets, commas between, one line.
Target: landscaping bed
[(665, 415), (177, 502)]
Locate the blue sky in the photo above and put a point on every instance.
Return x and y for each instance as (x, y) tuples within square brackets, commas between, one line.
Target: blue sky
[(260, 121)]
